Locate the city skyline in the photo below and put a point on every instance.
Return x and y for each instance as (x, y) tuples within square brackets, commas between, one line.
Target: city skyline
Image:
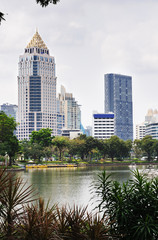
[(87, 40)]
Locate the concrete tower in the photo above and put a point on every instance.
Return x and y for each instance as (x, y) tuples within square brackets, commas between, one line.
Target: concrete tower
[(36, 89)]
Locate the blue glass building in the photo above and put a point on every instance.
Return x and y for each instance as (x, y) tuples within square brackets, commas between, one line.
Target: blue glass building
[(118, 99)]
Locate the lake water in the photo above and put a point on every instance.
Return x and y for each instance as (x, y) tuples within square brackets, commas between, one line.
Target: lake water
[(71, 185)]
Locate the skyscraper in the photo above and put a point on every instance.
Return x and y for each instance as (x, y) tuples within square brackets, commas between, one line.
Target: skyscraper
[(36, 89), (118, 99), (70, 108)]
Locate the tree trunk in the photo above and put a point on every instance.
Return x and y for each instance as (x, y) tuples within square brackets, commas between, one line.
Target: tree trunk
[(60, 154), (10, 161)]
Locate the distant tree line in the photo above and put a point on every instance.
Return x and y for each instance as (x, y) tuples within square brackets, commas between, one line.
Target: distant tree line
[(43, 145)]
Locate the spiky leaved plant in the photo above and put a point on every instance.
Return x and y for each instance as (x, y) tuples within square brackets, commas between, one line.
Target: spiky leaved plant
[(13, 196), (38, 222), (97, 228)]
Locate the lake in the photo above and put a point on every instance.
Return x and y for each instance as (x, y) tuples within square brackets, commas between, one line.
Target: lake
[(71, 185)]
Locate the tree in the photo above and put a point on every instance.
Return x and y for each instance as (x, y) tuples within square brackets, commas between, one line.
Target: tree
[(25, 148), (80, 147), (155, 148), (61, 143), (45, 3), (147, 145), (8, 141), (42, 137), (72, 147), (36, 151), (124, 148), (113, 147), (90, 144), (131, 206), (137, 148), (102, 146), (47, 152), (12, 148), (1, 17), (7, 127)]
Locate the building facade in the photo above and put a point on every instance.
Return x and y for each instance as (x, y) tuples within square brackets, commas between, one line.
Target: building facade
[(70, 108), (71, 133), (118, 99), (36, 89), (140, 131), (149, 126), (103, 126), (152, 130), (11, 110)]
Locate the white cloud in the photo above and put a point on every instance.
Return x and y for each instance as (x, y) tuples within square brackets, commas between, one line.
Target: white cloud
[(87, 39)]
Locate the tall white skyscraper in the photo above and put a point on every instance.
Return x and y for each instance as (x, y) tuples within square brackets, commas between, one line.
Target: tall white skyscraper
[(36, 89)]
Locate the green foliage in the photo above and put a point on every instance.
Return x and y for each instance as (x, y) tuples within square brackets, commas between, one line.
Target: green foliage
[(41, 137), (137, 148), (38, 222), (61, 144), (155, 147), (8, 141), (76, 223), (13, 195), (102, 146), (113, 147), (147, 145), (132, 207), (36, 151), (25, 146), (19, 219)]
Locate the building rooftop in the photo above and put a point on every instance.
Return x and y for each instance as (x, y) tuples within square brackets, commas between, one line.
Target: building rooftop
[(37, 41)]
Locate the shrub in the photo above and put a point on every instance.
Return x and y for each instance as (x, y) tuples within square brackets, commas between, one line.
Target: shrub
[(132, 207)]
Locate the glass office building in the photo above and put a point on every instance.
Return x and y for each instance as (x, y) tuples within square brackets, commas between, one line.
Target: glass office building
[(36, 89), (118, 99)]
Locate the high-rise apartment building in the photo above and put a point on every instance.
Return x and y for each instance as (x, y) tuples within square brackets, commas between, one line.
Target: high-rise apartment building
[(70, 108), (103, 125), (118, 99), (36, 89), (140, 131)]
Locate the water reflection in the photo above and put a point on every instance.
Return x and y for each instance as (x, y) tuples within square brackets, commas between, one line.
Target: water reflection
[(71, 185)]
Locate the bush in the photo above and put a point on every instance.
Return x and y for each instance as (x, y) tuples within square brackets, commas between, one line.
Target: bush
[(132, 207), (23, 220)]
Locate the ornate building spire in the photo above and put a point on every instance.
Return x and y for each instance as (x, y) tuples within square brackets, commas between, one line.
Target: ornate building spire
[(37, 42)]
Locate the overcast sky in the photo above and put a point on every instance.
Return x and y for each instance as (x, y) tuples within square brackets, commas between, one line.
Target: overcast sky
[(88, 39)]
